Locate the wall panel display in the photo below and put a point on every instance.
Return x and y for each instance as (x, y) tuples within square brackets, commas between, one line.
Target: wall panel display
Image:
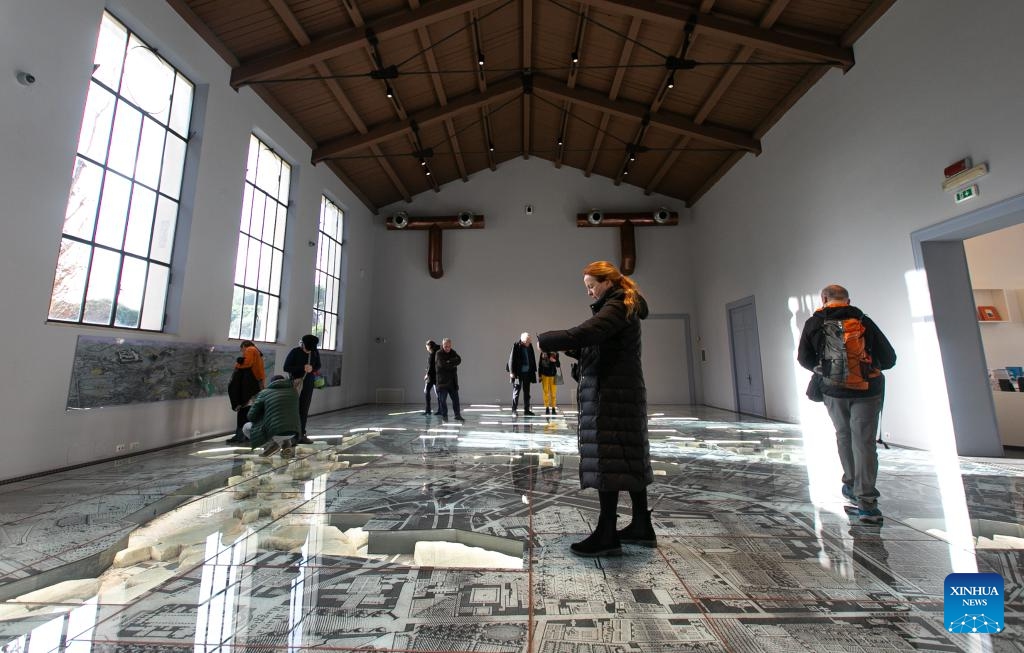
[(330, 368), (116, 371)]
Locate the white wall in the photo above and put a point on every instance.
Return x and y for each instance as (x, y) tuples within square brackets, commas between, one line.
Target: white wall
[(846, 176), (55, 41), (519, 273)]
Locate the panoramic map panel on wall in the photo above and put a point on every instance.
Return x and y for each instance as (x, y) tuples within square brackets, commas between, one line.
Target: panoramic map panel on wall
[(330, 368), (116, 371)]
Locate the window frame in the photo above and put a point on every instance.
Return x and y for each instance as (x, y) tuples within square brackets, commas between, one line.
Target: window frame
[(140, 182), (330, 251), (254, 194)]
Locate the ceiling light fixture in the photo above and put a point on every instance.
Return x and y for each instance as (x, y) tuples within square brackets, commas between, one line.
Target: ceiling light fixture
[(575, 57), (671, 81), (388, 91), (480, 59), (490, 146)]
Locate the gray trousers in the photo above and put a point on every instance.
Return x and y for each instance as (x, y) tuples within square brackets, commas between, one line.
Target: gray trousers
[(856, 423)]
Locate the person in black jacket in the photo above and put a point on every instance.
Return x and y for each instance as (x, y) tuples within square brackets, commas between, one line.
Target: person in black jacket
[(522, 371), (303, 362), (854, 411), (430, 375), (612, 398), (446, 364)]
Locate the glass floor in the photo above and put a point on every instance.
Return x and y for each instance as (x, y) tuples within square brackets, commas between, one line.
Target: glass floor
[(397, 532)]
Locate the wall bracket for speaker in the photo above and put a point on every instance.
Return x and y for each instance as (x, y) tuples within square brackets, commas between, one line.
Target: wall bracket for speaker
[(402, 221), (626, 222)]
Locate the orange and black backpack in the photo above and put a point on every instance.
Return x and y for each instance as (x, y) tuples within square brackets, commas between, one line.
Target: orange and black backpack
[(844, 360)]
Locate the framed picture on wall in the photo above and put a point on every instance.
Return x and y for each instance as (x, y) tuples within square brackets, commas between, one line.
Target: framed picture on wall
[(989, 314)]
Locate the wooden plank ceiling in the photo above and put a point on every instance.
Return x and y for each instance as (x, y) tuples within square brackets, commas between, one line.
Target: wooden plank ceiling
[(401, 96)]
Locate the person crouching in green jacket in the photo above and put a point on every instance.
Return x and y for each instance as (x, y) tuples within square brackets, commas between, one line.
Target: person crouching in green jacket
[(274, 418)]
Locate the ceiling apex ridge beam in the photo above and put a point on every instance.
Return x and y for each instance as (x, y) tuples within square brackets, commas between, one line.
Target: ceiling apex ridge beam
[(735, 31), (506, 88), (268, 66), (636, 111)]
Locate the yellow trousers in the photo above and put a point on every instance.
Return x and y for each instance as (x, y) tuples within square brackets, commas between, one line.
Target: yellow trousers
[(547, 385)]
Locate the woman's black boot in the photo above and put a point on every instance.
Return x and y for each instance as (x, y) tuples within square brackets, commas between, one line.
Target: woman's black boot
[(640, 530), (604, 541)]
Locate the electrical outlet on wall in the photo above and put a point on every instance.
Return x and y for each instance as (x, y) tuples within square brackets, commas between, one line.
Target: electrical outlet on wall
[(118, 448)]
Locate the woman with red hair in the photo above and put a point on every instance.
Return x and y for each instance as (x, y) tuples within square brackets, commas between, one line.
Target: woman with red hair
[(612, 399)]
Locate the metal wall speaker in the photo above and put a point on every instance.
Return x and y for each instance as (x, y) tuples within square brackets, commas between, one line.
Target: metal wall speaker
[(595, 217), (662, 215), (400, 220), (466, 219)]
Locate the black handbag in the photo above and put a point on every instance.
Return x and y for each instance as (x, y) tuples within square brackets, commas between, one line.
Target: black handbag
[(814, 388)]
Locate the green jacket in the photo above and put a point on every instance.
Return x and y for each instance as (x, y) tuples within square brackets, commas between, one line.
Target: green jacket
[(275, 411)]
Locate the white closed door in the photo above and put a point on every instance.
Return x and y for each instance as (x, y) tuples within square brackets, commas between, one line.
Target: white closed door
[(746, 358)]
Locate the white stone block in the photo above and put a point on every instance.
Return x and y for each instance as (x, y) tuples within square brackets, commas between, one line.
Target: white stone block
[(453, 554), (69, 591), (163, 551), (131, 556), (286, 538), (357, 537)]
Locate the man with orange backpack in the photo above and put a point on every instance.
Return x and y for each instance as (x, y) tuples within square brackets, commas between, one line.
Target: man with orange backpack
[(847, 352)]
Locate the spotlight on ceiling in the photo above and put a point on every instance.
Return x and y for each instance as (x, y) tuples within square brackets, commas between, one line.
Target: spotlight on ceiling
[(575, 57), (400, 220), (662, 215), (595, 217), (466, 219)]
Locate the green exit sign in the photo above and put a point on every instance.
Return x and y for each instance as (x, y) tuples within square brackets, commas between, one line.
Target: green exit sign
[(968, 193)]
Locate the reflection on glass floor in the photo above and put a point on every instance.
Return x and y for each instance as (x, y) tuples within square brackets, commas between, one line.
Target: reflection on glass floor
[(210, 548)]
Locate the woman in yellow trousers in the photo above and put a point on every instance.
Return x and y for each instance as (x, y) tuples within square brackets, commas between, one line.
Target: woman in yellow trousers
[(549, 371)]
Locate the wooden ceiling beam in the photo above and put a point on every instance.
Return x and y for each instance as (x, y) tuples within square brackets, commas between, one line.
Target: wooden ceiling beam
[(674, 123), (767, 20), (581, 26), (613, 93), (499, 91), (283, 12), (527, 62), (732, 31), (268, 66)]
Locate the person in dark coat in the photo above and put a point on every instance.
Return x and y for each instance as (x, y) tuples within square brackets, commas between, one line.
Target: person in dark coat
[(446, 364), (246, 381), (430, 376), (522, 371), (612, 398), (303, 362)]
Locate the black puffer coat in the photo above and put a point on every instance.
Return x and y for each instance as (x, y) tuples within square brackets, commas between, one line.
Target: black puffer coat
[(614, 449)]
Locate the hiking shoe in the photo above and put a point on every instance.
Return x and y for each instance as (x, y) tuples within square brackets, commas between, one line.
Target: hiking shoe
[(302, 439), (269, 450), (237, 440), (870, 515), (460, 418), (528, 412), (848, 493)]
